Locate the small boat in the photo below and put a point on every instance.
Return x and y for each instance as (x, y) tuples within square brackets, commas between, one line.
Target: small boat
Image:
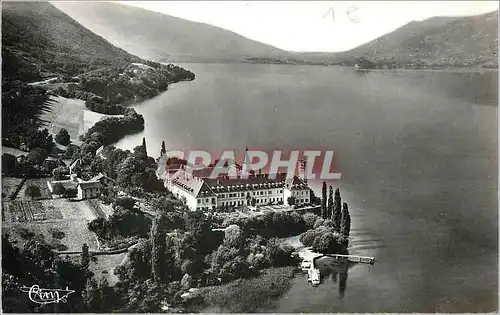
[(314, 276), (305, 265), (358, 68)]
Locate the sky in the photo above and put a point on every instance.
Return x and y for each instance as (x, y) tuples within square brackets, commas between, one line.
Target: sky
[(313, 25)]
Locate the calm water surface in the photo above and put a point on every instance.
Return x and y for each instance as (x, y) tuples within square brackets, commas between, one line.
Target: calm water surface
[(417, 153)]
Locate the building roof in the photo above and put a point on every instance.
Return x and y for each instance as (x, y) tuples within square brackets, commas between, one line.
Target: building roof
[(90, 184), (253, 182), (100, 176), (191, 184), (67, 184), (295, 183), (169, 164)]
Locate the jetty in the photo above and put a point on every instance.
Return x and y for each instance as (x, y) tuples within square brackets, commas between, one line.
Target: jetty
[(353, 258)]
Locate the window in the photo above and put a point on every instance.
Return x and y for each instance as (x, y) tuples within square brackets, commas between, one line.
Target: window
[(213, 200), (198, 200), (270, 192), (281, 191)]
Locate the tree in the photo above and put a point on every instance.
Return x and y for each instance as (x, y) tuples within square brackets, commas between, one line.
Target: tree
[(163, 149), (144, 149), (234, 237), (157, 250), (337, 211), (85, 258), (33, 191), (346, 221), (60, 172), (107, 296), (37, 156), (40, 139), (58, 189), (291, 200), (329, 211), (63, 137), (129, 172), (310, 219), (314, 199), (92, 296), (8, 163), (36, 262), (323, 201), (140, 152)]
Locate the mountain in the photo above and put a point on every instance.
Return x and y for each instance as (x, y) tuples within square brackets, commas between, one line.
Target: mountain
[(162, 37), (39, 40), (439, 41)]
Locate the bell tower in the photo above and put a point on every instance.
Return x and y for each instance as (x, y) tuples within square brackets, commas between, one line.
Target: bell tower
[(245, 165)]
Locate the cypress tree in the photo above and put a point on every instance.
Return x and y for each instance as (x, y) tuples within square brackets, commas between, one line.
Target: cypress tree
[(157, 250), (144, 150), (346, 221), (329, 211), (85, 258), (337, 211), (92, 296), (323, 201), (163, 149), (106, 297)]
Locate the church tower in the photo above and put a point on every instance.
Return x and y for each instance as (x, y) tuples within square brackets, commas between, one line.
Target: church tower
[(245, 165), (302, 170)]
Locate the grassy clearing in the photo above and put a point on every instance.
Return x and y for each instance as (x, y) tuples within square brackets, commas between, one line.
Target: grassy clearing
[(70, 114), (20, 233), (73, 210), (64, 113), (96, 206), (105, 266), (246, 295), (75, 233), (46, 216)]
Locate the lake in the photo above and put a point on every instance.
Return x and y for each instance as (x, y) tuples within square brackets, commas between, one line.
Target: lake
[(418, 155)]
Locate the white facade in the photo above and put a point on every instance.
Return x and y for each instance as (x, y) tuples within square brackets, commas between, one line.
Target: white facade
[(88, 190), (201, 192), (208, 194)]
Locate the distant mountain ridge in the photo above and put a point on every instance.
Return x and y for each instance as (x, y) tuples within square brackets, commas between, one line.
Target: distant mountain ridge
[(436, 42), (447, 41), (39, 40), (162, 37)]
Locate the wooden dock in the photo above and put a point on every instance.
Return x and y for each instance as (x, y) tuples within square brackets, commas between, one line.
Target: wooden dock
[(354, 258)]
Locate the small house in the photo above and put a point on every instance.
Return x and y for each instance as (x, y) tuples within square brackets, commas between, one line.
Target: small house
[(88, 190)]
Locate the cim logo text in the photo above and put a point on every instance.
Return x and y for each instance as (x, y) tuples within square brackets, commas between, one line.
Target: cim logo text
[(47, 296)]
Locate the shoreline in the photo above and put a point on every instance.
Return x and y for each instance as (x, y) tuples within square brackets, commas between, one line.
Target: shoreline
[(444, 69), (245, 295), (79, 119)]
